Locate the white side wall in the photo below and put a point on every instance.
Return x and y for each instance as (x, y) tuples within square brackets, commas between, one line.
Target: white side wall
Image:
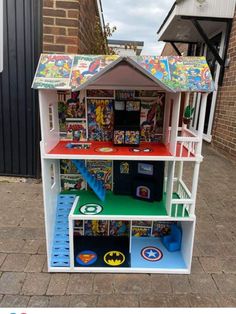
[(188, 230), (50, 137), (50, 193)]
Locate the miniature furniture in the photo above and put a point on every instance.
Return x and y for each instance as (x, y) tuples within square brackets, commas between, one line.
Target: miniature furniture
[(172, 241), (113, 152)]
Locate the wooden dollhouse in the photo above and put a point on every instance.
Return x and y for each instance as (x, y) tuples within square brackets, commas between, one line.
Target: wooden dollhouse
[(113, 150)]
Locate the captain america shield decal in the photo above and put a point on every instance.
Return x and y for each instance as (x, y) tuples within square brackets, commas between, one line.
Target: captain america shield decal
[(151, 254)]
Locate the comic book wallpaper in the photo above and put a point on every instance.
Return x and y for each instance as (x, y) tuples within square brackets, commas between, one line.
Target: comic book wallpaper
[(70, 72), (102, 170), (151, 229), (114, 228), (152, 118), (53, 72), (100, 119), (72, 180), (179, 73), (122, 228), (86, 66), (72, 120)]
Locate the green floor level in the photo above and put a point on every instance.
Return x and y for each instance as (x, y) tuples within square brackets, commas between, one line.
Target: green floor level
[(124, 205)]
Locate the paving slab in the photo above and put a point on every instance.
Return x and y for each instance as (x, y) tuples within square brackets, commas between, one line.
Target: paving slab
[(15, 262), (180, 284), (202, 284), (103, 284), (36, 284), (226, 283), (14, 301), (80, 284), (58, 284), (133, 283), (118, 300), (83, 300), (11, 282), (35, 263), (59, 301), (38, 301)]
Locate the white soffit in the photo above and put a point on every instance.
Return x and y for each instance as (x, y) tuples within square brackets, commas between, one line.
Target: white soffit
[(182, 30)]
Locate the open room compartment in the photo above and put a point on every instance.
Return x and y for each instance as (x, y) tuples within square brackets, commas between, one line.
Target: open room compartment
[(88, 121), (132, 246)]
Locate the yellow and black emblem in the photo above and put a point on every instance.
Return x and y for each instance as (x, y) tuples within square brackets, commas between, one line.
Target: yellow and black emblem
[(114, 258)]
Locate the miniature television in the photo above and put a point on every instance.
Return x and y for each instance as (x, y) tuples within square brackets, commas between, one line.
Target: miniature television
[(144, 168)]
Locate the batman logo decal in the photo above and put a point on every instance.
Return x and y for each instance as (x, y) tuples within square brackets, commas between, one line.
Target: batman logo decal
[(114, 258)]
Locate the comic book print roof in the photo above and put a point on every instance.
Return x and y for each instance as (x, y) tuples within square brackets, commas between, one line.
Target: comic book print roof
[(75, 72)]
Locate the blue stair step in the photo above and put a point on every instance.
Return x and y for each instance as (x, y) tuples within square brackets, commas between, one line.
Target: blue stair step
[(94, 184), (61, 246)]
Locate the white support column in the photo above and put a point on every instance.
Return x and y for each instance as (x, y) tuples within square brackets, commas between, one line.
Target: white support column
[(175, 123), (198, 151), (166, 120), (170, 186), (186, 103), (194, 186), (181, 163), (201, 122)]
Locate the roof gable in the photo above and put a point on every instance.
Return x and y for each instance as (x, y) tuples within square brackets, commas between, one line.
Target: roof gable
[(174, 74)]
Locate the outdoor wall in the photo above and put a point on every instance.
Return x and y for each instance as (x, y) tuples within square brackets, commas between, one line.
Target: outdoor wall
[(69, 26), (168, 50), (224, 127)]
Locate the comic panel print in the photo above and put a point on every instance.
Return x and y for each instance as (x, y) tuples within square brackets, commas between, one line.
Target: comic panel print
[(100, 119)]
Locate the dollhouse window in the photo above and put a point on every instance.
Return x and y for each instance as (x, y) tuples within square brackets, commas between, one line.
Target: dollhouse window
[(52, 174), (50, 112)]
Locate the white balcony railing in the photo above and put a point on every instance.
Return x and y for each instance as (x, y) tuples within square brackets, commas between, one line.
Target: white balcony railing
[(182, 205), (187, 143)]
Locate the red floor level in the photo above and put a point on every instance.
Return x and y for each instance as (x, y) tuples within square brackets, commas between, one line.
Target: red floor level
[(107, 148)]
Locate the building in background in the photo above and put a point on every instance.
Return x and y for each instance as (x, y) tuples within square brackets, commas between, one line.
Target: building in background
[(31, 27), (208, 27), (72, 26), (126, 47)]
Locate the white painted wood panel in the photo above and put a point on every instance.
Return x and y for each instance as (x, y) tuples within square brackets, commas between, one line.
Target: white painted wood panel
[(212, 8)]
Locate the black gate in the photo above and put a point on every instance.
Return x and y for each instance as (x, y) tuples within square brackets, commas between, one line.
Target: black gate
[(19, 114)]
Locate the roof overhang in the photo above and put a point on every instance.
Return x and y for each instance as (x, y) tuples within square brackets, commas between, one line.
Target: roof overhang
[(77, 72), (178, 27)]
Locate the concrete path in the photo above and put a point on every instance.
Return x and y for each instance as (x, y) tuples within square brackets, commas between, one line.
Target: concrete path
[(24, 281)]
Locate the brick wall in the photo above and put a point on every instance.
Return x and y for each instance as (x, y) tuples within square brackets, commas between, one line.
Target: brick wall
[(168, 50), (68, 26), (224, 127)]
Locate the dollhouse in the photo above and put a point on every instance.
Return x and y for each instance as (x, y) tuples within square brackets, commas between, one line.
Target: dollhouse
[(113, 151)]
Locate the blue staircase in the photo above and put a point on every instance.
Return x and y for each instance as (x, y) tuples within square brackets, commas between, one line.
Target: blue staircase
[(95, 185), (61, 246)]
